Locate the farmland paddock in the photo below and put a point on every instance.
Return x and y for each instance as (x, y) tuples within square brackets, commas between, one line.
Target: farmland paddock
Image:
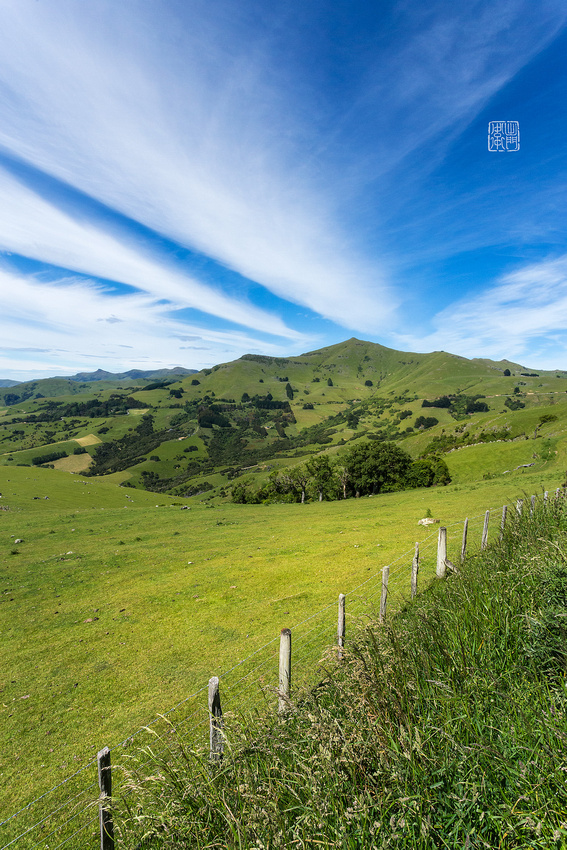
[(76, 811)]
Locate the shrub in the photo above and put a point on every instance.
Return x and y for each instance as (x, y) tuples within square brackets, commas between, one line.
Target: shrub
[(425, 422)]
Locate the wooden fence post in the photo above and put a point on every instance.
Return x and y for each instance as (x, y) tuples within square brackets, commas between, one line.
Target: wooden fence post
[(545, 496), (215, 721), (285, 670), (442, 552), (384, 593), (532, 505), (503, 521), (484, 542), (342, 626), (105, 786), (464, 543), (414, 571)]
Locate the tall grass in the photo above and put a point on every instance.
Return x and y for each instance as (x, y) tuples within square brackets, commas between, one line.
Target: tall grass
[(444, 728)]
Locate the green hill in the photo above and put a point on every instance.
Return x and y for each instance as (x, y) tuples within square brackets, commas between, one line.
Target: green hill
[(203, 431)]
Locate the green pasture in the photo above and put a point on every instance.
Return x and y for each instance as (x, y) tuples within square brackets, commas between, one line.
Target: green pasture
[(118, 604)]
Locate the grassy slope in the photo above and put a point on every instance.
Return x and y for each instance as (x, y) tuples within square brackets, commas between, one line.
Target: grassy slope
[(445, 729), (165, 625)]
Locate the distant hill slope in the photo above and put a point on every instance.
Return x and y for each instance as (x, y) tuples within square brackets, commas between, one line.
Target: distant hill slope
[(84, 381), (6, 382), (133, 374)]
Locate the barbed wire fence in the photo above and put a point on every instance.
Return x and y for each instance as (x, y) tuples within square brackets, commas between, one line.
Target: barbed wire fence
[(67, 815)]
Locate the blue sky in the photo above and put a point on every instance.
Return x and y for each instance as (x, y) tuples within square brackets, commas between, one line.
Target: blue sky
[(182, 182)]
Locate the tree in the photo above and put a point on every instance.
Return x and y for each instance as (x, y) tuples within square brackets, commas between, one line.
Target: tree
[(543, 420), (507, 373), (343, 478), (321, 472), (293, 481), (242, 494), (352, 419), (329, 382), (373, 467), (289, 391), (427, 472), (299, 478), (420, 474)]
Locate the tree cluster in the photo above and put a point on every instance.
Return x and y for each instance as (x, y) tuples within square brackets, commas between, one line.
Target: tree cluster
[(116, 405), (130, 449), (459, 404), (366, 469), (48, 458)]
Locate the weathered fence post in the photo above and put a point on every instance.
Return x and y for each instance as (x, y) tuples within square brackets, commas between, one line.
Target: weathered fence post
[(285, 670), (342, 626), (105, 786), (484, 541), (442, 552), (215, 721), (384, 593), (532, 505), (545, 496), (464, 543), (503, 521), (414, 571)]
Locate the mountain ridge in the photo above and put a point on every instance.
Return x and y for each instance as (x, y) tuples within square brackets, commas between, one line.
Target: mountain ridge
[(103, 375)]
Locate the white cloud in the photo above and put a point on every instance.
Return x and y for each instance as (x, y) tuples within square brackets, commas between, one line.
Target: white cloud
[(68, 320), (523, 314), (189, 138), (34, 228)]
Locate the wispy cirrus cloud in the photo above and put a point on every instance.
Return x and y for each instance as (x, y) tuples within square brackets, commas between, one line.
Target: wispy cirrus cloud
[(195, 144), (70, 322), (523, 312), (35, 228)]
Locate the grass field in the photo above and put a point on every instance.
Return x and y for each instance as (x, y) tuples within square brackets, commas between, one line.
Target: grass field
[(442, 728), (118, 604)]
